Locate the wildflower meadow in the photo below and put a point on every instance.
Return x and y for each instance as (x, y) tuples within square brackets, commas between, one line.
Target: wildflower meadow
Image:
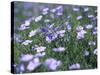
[(54, 37)]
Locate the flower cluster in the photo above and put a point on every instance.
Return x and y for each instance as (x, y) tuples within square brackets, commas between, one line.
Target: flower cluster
[(52, 63), (80, 32)]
